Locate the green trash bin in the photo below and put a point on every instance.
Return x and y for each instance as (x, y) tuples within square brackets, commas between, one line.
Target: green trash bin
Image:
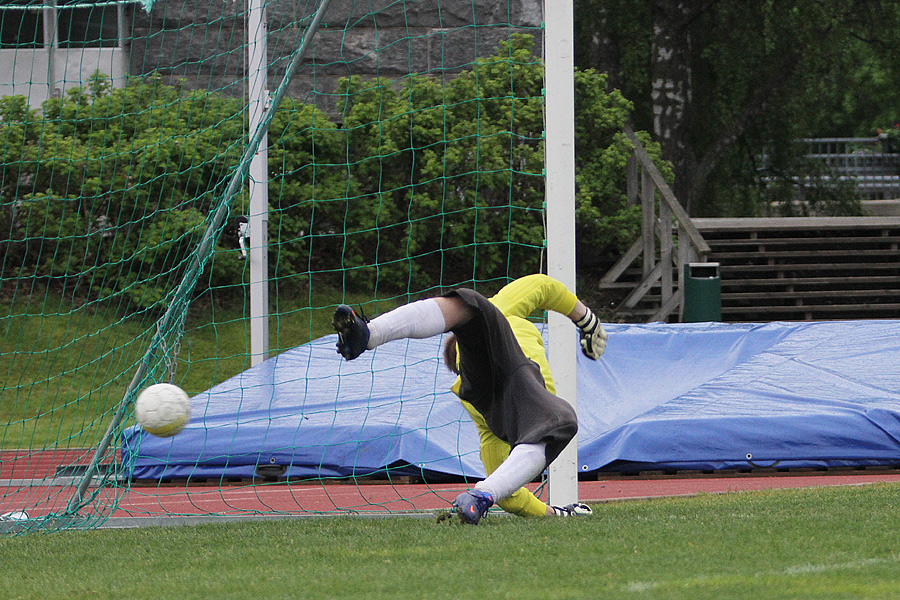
[(702, 293)]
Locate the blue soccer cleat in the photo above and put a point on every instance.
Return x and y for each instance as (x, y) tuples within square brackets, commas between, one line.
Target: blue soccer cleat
[(471, 506), (353, 333)]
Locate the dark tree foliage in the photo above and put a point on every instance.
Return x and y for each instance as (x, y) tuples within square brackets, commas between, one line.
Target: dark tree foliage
[(722, 82)]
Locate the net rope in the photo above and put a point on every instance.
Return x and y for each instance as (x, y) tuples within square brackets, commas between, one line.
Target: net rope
[(405, 158)]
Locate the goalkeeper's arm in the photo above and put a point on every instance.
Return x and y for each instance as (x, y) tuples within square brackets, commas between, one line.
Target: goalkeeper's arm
[(593, 337), (540, 292)]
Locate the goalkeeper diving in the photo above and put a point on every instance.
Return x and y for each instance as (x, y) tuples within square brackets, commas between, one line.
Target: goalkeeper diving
[(504, 380)]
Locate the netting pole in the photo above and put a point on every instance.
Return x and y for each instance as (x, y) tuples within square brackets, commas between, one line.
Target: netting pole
[(175, 312), (257, 65), (559, 161), (51, 43)]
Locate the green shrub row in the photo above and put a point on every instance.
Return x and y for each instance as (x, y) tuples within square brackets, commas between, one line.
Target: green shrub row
[(411, 185)]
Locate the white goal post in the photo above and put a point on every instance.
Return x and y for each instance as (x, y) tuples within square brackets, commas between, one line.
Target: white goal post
[(559, 162)]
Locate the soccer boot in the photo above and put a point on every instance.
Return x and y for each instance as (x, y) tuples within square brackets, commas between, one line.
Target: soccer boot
[(471, 506), (576, 509), (353, 333)]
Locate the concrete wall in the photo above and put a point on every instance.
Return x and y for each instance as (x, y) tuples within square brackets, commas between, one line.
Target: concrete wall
[(40, 73), (202, 41)]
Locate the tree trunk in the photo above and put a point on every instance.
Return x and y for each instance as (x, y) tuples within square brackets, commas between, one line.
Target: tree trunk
[(671, 91), (596, 41)]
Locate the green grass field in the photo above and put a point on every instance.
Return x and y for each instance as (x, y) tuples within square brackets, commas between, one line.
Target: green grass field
[(836, 543), (65, 370), (823, 543)]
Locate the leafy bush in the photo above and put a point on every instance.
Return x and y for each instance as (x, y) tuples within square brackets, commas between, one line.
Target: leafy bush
[(106, 192), (450, 179)]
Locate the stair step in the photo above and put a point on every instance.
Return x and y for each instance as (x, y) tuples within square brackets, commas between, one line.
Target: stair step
[(804, 281), (858, 267), (808, 254), (618, 285), (831, 294), (740, 226), (817, 241), (867, 307)]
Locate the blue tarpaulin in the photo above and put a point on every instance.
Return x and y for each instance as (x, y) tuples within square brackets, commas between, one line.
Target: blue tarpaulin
[(685, 396)]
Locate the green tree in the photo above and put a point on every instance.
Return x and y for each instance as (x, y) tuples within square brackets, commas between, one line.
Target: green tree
[(719, 82)]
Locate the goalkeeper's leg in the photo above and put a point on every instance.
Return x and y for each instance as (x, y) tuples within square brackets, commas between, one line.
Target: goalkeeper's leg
[(513, 471), (494, 452), (524, 463), (420, 319), (521, 502)]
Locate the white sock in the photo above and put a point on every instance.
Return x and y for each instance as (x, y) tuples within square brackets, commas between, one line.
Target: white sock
[(524, 464), (420, 319)]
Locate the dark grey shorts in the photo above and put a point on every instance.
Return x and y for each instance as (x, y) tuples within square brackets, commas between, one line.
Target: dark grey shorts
[(506, 386)]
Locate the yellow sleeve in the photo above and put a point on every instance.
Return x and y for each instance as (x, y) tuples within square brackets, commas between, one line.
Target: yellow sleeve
[(534, 292)]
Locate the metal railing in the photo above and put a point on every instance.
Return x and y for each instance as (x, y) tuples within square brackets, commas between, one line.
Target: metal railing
[(867, 162)]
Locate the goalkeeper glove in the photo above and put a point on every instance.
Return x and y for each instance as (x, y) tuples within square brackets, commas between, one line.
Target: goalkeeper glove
[(593, 338)]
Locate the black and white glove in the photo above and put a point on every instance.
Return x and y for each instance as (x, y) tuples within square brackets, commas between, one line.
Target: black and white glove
[(593, 338)]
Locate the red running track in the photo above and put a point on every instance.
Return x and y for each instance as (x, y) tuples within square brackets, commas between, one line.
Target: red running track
[(306, 498), (19, 469)]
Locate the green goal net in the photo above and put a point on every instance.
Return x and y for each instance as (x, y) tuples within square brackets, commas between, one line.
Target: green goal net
[(403, 156)]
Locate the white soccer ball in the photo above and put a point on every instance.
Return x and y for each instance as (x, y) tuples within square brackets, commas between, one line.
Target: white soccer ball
[(163, 409)]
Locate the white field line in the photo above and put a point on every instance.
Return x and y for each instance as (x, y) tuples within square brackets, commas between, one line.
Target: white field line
[(807, 569)]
